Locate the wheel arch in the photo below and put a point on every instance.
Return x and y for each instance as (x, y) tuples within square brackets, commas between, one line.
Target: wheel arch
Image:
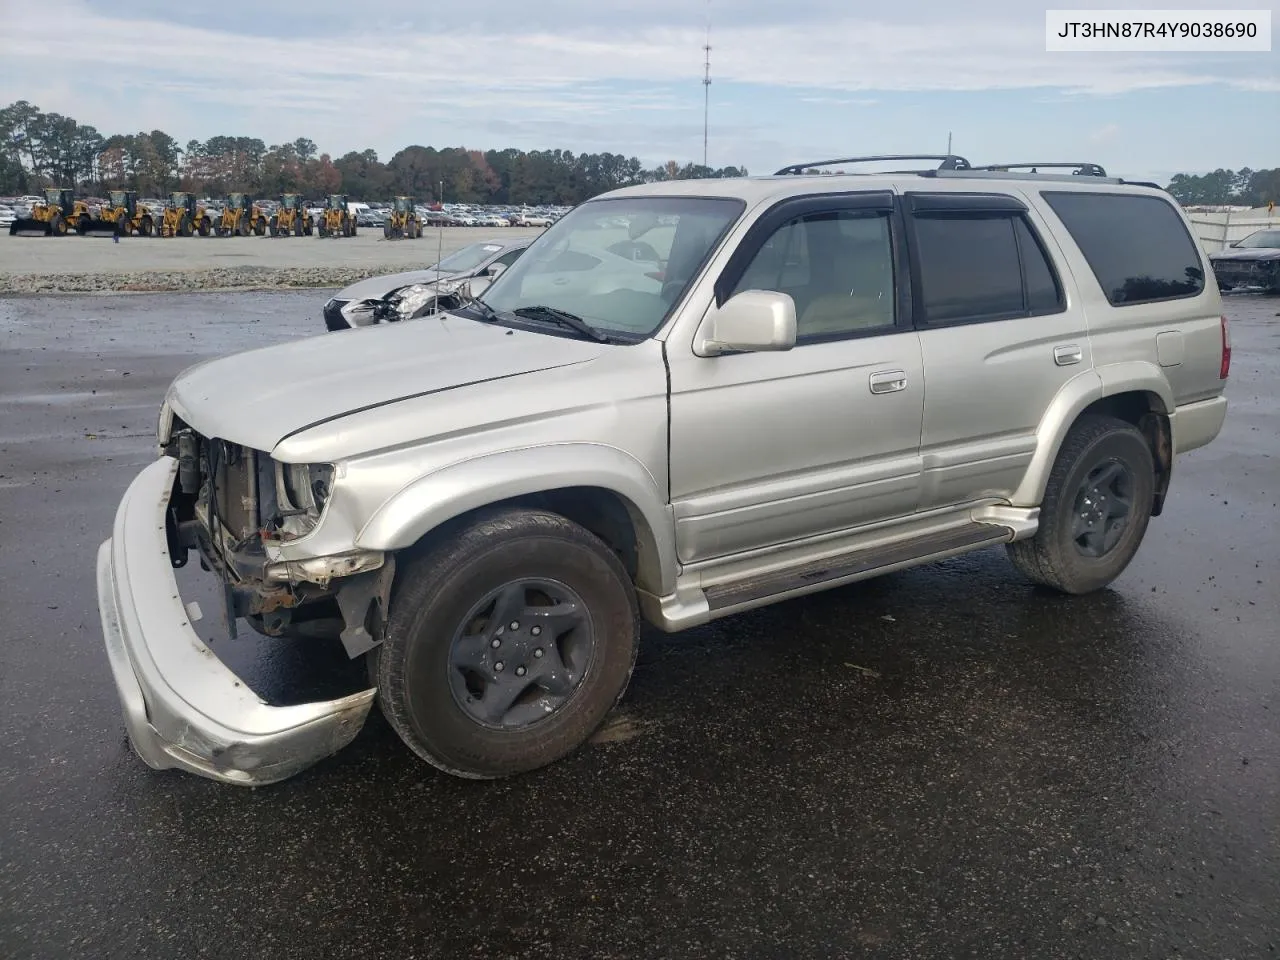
[(1134, 392), (599, 487)]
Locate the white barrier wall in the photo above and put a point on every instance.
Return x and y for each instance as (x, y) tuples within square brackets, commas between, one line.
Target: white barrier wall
[(1219, 229)]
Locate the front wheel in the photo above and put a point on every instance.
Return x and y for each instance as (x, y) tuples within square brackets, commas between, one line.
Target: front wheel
[(1095, 509), (507, 644)]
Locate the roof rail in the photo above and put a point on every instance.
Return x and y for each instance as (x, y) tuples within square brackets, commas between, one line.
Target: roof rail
[(1080, 169), (947, 161)]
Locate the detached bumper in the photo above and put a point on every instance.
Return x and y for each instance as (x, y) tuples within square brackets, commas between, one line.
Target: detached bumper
[(182, 707)]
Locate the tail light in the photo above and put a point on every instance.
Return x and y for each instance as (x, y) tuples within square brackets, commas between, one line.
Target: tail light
[(1226, 351)]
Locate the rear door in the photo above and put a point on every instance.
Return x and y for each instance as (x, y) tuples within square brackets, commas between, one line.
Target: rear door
[(999, 336)]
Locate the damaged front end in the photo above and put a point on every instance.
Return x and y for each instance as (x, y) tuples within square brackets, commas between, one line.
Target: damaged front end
[(421, 300), (236, 507)]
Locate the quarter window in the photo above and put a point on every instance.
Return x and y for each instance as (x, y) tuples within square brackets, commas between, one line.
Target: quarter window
[(838, 268), (1137, 246), (977, 266)]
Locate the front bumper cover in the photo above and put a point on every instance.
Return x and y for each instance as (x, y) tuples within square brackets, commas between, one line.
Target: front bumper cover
[(182, 707)]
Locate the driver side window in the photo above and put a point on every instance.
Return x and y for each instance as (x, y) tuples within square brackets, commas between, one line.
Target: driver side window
[(838, 268)]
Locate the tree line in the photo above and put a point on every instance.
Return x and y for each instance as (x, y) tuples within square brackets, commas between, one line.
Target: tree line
[(39, 149), (1253, 188)]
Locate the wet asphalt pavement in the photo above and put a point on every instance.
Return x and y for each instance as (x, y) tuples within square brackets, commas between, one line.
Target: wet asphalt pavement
[(942, 763)]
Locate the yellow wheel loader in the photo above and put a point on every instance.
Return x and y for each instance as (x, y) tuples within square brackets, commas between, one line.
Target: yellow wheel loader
[(291, 217), (120, 216), (241, 217), (184, 217), (60, 214), (403, 222), (337, 220)]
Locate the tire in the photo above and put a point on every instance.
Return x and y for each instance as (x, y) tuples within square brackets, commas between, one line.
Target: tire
[(273, 226), (57, 226), (184, 226), (386, 231), (145, 227), (434, 707), (322, 229), (1055, 557), (205, 227)]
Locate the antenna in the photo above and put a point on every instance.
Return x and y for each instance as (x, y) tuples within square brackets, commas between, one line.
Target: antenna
[(706, 86), (948, 141), (435, 308)]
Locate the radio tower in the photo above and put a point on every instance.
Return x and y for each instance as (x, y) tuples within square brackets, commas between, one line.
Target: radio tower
[(706, 85)]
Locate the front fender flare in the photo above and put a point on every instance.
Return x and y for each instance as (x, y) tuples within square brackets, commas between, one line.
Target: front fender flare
[(451, 491), (1077, 394)]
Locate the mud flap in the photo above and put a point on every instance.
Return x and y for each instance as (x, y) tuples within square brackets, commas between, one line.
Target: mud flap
[(356, 597)]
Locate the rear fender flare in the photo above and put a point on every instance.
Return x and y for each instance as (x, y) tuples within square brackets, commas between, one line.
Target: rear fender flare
[(1077, 394), (427, 502)]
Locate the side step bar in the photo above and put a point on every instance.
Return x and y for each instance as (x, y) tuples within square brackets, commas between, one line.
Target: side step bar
[(933, 546)]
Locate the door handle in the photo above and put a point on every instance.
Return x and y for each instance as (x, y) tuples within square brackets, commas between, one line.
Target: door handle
[(888, 381), (1067, 354)]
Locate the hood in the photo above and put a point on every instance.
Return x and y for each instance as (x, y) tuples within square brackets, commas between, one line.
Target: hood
[(1247, 253), (260, 397), (375, 288)]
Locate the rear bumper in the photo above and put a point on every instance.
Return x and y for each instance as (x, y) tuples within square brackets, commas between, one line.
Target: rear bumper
[(1196, 424), (182, 707)]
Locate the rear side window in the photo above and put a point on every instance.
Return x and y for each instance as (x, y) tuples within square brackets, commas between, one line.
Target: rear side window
[(981, 266), (1137, 247)]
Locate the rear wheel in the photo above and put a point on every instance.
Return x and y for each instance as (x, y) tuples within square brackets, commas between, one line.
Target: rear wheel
[(145, 227), (507, 644), (1095, 509), (206, 227), (184, 226), (274, 226), (58, 225)]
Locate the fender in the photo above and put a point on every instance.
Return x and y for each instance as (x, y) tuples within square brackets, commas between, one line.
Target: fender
[(446, 493), (1077, 394)]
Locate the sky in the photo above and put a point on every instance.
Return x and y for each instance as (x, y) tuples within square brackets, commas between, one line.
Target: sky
[(791, 82)]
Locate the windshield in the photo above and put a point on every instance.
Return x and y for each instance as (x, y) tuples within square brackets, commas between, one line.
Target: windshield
[(1263, 238), (468, 258), (618, 264)]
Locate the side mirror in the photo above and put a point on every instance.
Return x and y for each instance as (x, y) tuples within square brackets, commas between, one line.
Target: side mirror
[(478, 285), (495, 270), (750, 322)]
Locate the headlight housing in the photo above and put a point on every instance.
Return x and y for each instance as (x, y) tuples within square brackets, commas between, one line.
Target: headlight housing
[(302, 490), (164, 423)]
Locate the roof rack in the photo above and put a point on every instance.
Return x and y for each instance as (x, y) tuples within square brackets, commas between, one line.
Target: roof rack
[(947, 161), (1079, 169)]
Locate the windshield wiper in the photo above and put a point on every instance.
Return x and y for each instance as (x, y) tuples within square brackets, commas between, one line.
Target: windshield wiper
[(572, 321), (486, 312)]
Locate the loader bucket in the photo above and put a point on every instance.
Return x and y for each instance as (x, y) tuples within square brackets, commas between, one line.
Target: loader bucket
[(98, 228), (30, 227)]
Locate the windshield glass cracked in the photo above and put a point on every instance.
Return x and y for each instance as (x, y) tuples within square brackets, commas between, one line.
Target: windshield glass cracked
[(619, 265)]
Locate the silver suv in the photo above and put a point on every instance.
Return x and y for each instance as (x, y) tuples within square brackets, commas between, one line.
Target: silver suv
[(685, 400)]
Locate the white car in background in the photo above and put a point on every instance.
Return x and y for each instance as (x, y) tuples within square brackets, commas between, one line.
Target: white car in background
[(7, 216), (416, 293)]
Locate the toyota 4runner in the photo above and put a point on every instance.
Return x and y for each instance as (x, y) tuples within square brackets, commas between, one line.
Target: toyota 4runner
[(686, 400)]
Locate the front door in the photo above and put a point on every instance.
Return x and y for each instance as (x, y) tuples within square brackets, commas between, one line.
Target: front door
[(772, 448)]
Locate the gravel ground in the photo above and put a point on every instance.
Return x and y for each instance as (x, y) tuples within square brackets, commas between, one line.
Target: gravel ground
[(38, 265)]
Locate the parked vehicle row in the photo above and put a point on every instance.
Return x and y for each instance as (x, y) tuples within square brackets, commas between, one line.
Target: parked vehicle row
[(60, 213)]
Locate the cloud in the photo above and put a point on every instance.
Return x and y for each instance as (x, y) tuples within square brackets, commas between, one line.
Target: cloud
[(390, 72), (1104, 134)]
